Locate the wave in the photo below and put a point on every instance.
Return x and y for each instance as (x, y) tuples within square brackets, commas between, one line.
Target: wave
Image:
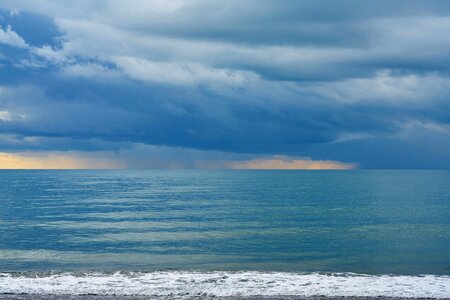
[(185, 284)]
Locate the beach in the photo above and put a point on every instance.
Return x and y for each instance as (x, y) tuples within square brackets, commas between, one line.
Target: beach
[(100, 297)]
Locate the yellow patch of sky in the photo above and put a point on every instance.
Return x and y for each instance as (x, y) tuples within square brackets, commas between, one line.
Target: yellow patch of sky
[(72, 160), (277, 163), (52, 161), (292, 164)]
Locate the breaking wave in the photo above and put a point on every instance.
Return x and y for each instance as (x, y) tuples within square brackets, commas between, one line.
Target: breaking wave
[(226, 284)]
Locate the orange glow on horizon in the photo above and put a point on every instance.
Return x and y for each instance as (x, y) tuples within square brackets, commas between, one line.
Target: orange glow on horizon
[(292, 164), (51, 161)]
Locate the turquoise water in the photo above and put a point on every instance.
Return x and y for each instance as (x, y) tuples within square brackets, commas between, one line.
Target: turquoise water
[(375, 222), (303, 222)]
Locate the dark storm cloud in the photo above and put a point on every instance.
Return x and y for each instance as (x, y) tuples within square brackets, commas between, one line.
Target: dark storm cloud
[(325, 79), (322, 22)]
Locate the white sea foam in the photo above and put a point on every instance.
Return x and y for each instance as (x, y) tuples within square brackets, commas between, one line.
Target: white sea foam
[(187, 284)]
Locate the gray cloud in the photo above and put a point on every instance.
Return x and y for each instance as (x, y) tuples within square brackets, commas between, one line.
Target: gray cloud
[(298, 78)]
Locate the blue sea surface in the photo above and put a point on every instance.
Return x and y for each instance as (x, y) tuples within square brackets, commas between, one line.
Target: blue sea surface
[(304, 222), (388, 222)]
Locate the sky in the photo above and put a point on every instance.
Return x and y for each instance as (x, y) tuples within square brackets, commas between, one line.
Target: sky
[(225, 84)]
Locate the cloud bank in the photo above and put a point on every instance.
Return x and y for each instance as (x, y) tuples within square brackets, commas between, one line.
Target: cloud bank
[(360, 82)]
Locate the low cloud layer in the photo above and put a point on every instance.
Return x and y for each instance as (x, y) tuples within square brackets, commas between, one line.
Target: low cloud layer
[(254, 78)]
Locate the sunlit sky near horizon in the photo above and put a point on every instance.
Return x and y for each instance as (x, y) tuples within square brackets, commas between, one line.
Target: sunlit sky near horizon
[(211, 84)]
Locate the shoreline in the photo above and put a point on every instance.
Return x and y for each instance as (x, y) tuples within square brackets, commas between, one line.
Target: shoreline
[(194, 297)]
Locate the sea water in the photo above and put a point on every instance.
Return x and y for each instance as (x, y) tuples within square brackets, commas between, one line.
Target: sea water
[(225, 233)]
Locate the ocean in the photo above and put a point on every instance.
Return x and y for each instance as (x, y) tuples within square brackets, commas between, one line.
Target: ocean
[(231, 233)]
